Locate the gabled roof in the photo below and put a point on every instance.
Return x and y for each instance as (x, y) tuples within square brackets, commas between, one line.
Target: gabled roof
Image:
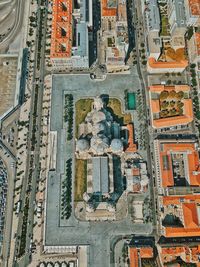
[(167, 65), (190, 215)]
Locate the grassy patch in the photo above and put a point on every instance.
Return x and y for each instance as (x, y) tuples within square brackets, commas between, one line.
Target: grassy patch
[(115, 108), (164, 25), (80, 179), (83, 106)]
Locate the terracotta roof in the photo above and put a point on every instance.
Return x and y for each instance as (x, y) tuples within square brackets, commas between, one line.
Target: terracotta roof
[(197, 42), (167, 65), (190, 215), (194, 6), (155, 106), (107, 11), (188, 254), (136, 253), (168, 200), (136, 171), (193, 162), (131, 146), (159, 88), (134, 260), (61, 37), (181, 232), (172, 250), (186, 118), (188, 204), (146, 252)]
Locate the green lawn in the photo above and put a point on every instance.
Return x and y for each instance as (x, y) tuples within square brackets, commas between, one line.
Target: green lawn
[(80, 179), (164, 25), (83, 106)]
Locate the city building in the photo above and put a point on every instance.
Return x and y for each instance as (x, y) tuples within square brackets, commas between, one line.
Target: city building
[(152, 17), (140, 249), (106, 145), (136, 176), (170, 106), (188, 254), (179, 215), (194, 48), (192, 9), (114, 41), (177, 17), (71, 26), (154, 66), (165, 36), (177, 163)]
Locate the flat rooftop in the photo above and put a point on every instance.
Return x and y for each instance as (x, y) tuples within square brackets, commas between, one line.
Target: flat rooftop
[(180, 13), (8, 73), (153, 15)]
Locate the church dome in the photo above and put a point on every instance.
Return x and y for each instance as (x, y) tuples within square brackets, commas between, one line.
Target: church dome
[(82, 145), (98, 116), (116, 145), (99, 143), (100, 127)]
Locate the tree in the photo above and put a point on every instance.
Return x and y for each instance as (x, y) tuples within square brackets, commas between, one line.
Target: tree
[(193, 65)]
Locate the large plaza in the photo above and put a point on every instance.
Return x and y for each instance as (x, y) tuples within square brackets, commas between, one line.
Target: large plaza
[(60, 231)]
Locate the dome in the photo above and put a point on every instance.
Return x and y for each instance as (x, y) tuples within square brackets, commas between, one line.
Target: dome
[(116, 145), (49, 264), (100, 127), (82, 145), (63, 264), (99, 143), (57, 264), (42, 264), (98, 116)]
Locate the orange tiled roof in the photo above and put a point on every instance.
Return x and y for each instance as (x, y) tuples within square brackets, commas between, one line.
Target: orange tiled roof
[(193, 162), (194, 6), (146, 252), (190, 215), (168, 200), (61, 37), (131, 146), (181, 232), (171, 121), (173, 250), (107, 11), (159, 88), (155, 106), (136, 171), (134, 259), (188, 254), (197, 42), (166, 65)]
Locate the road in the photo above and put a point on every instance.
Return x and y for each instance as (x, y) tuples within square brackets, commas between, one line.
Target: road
[(17, 25), (143, 78), (33, 158)]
